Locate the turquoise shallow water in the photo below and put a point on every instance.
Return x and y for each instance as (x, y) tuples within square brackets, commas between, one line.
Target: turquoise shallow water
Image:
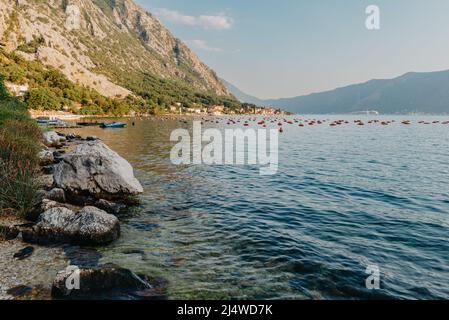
[(343, 198)]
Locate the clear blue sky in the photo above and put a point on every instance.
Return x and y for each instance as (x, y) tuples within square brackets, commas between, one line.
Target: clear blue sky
[(283, 48)]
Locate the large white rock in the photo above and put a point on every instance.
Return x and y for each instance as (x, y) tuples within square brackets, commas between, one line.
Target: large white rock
[(89, 226), (93, 169), (52, 139)]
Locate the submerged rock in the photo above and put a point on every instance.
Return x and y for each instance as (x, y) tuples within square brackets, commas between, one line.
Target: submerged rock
[(112, 207), (94, 170), (81, 256), (52, 139), (108, 280), (89, 226)]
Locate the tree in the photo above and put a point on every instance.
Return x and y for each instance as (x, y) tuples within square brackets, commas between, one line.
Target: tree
[(3, 92), (14, 73), (43, 99)]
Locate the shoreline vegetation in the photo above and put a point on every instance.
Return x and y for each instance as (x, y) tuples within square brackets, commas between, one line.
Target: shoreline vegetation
[(60, 190), (19, 147), (46, 90)]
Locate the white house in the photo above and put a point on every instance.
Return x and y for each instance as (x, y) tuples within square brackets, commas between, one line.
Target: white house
[(16, 89)]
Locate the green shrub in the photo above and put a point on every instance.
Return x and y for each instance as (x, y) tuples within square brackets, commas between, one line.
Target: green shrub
[(19, 163), (13, 73), (19, 187), (10, 108), (43, 99), (33, 45)]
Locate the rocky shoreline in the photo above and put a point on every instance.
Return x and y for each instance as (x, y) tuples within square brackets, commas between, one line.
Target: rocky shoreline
[(85, 187)]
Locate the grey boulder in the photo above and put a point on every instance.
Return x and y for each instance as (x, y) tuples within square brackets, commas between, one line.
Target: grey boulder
[(89, 226), (45, 205), (94, 170), (46, 157)]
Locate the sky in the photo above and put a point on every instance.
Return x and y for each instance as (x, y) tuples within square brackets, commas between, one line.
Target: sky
[(285, 48)]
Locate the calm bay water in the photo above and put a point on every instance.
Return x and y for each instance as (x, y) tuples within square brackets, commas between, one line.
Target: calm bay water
[(343, 198)]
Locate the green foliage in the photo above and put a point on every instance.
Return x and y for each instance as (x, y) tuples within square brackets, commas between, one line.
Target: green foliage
[(19, 163), (51, 90), (3, 93), (33, 45), (13, 73), (10, 109), (43, 99), (107, 6), (165, 93)]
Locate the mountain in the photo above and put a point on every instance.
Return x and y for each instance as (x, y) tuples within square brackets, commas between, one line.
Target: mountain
[(112, 46), (412, 92), (240, 95)]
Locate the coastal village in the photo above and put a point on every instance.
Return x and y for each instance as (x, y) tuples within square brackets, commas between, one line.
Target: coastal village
[(20, 90), (219, 110)]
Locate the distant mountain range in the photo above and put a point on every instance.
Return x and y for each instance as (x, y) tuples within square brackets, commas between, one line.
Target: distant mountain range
[(242, 96), (413, 92)]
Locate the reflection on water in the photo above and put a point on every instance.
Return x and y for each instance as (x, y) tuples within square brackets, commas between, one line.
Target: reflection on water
[(344, 198)]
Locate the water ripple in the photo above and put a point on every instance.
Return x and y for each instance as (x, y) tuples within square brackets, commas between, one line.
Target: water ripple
[(343, 199)]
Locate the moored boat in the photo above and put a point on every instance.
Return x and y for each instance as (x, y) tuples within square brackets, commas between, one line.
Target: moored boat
[(90, 123), (113, 125), (50, 122)]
